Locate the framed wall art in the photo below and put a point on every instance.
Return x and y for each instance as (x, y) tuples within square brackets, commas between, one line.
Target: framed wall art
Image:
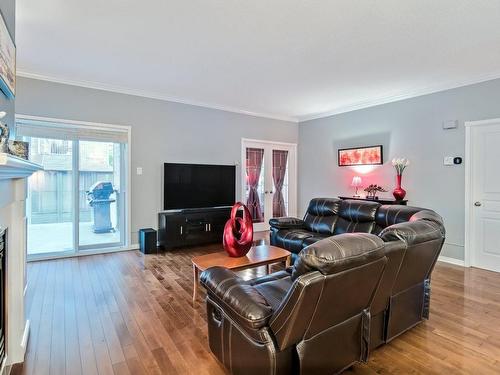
[(369, 155), (7, 61)]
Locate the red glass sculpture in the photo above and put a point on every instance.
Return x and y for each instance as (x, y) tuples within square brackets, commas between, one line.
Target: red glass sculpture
[(238, 232)]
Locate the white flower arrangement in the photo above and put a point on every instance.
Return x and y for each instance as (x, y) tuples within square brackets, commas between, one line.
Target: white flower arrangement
[(400, 164)]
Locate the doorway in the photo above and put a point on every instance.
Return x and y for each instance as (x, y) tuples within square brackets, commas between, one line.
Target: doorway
[(269, 180), (482, 242), (78, 203)]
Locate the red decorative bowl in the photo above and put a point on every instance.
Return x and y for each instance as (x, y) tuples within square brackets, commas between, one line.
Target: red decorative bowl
[(238, 232)]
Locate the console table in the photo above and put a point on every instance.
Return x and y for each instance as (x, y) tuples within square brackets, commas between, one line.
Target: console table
[(379, 200)]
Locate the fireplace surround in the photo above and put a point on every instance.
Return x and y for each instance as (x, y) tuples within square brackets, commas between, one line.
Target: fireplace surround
[(13, 187), (3, 257)]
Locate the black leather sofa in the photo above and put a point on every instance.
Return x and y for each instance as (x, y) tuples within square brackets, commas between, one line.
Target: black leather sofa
[(360, 279), (327, 217)]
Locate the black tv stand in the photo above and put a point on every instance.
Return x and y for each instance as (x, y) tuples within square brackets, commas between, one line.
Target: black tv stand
[(191, 226)]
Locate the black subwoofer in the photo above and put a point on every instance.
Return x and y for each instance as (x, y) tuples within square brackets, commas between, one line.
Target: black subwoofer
[(147, 240)]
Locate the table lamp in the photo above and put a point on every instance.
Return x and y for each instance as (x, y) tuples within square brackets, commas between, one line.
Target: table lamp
[(356, 183)]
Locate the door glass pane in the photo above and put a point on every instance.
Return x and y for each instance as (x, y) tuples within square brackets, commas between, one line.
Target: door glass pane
[(99, 193), (49, 204), (280, 183), (254, 184)]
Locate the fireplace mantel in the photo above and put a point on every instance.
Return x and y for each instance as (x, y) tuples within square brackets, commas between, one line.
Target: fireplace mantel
[(14, 167), (13, 190)]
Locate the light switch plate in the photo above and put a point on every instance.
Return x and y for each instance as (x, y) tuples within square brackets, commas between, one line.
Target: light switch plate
[(139, 170), (448, 160)]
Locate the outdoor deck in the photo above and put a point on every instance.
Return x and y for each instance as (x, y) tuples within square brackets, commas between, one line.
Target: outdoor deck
[(58, 237)]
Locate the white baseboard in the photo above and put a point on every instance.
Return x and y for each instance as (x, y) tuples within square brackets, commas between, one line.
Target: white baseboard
[(106, 250), (456, 262)]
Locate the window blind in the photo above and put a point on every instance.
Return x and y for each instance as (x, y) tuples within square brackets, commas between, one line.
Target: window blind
[(59, 130)]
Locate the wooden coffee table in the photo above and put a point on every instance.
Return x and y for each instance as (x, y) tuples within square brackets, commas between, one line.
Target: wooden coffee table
[(263, 255)]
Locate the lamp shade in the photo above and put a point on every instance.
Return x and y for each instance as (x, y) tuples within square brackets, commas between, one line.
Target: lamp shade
[(356, 181)]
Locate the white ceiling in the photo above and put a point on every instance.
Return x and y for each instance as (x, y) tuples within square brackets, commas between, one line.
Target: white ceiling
[(290, 59)]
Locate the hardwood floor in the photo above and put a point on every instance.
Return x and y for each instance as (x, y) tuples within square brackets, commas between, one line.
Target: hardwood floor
[(125, 313)]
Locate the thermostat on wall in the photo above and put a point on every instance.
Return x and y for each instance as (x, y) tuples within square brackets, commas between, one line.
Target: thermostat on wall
[(452, 160)]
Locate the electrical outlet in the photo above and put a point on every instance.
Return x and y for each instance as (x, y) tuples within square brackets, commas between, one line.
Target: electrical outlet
[(139, 171)]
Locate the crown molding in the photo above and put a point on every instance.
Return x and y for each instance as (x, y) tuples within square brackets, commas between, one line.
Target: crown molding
[(367, 103), (150, 95), (361, 104)]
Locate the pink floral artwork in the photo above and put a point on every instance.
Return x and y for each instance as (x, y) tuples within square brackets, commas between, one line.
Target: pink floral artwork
[(360, 156)]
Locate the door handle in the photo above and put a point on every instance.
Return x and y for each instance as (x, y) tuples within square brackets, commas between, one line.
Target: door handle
[(477, 204)]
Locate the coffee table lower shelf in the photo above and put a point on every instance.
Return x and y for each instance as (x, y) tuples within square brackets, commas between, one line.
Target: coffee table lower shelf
[(263, 255)]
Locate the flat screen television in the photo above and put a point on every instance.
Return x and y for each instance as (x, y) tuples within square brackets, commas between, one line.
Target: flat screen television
[(198, 185)]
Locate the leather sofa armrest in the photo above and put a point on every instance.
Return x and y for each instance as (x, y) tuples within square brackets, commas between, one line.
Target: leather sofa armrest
[(271, 277), (287, 223), (240, 300)]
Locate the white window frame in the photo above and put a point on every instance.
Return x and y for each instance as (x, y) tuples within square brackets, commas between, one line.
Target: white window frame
[(127, 158)]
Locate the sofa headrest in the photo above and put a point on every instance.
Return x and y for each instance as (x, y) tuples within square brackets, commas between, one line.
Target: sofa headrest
[(388, 215), (323, 206), (427, 215), (358, 211), (414, 232), (338, 253)]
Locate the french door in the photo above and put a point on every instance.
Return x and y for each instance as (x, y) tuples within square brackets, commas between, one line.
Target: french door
[(269, 180), (77, 202)]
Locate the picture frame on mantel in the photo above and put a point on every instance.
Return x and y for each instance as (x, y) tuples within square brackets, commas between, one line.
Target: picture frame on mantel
[(7, 61)]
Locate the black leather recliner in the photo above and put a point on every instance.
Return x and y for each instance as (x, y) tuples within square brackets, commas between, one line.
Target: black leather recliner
[(413, 239), (334, 305), (304, 321)]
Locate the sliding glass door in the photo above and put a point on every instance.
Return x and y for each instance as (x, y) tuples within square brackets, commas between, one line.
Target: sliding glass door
[(99, 200), (77, 203), (50, 197)]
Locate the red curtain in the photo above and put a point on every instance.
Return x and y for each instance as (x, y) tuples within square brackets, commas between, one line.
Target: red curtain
[(255, 157), (279, 170)]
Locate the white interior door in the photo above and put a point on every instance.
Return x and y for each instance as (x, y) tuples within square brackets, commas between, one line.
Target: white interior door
[(484, 196), (269, 180)]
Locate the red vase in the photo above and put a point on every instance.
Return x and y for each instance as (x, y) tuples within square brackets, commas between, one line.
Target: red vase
[(399, 193), (238, 232)]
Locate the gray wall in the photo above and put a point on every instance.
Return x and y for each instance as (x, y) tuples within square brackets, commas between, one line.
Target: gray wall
[(161, 131), (410, 128), (164, 131), (8, 9)]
